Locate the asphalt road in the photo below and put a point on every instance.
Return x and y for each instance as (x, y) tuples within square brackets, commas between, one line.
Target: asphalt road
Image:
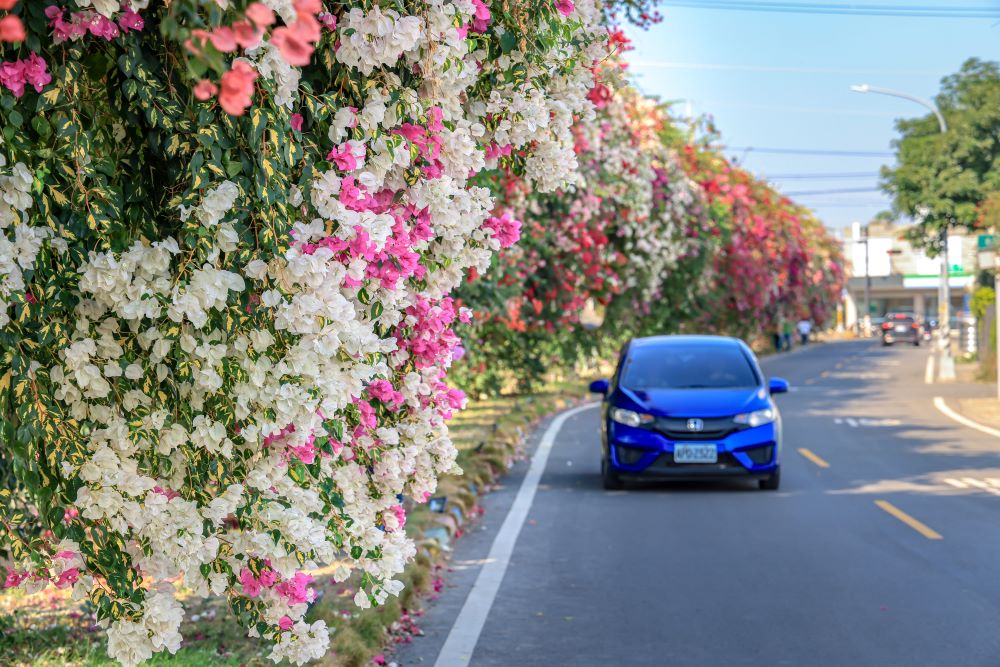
[(886, 556)]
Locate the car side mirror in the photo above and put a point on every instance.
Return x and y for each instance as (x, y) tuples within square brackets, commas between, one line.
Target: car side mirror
[(777, 385), (599, 387)]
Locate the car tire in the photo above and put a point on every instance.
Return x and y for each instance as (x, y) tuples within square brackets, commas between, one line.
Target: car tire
[(916, 343), (772, 482), (609, 478)]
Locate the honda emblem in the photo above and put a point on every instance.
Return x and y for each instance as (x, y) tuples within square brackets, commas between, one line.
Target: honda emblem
[(695, 425)]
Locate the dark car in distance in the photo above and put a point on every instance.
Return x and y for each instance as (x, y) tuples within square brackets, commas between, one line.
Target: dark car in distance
[(901, 328)]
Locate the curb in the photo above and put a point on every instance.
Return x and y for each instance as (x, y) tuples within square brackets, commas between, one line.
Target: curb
[(963, 420)]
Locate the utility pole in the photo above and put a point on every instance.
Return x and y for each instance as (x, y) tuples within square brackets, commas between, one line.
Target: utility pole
[(868, 287), (996, 311), (946, 367)]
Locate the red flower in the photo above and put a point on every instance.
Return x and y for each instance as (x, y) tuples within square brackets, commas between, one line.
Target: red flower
[(236, 93), (260, 14), (11, 29), (205, 90)]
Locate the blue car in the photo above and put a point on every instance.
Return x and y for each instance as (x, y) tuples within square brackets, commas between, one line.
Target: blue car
[(689, 407)]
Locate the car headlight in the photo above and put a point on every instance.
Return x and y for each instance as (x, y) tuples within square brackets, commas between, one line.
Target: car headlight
[(630, 418), (757, 417)]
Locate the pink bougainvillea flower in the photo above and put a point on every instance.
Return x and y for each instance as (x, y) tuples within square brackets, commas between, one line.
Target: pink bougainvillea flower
[(67, 578), (296, 590), (267, 577), (297, 122), (294, 42), (205, 90), (343, 158), (236, 92), (482, 16), (311, 7), (260, 14), (14, 578), (565, 7), (247, 35), (223, 38), (505, 229), (103, 27), (7, 4), (305, 452), (251, 585), (328, 20), (16, 74), (600, 95), (130, 20), (285, 623), (11, 29)]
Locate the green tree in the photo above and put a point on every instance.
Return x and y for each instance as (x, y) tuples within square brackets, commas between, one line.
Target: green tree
[(942, 179)]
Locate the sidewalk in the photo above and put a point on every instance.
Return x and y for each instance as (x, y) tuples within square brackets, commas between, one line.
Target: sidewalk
[(985, 411)]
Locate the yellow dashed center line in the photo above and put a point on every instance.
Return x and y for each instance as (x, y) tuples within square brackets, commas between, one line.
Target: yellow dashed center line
[(812, 457), (918, 526)]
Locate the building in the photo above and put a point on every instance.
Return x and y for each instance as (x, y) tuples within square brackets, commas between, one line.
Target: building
[(901, 277)]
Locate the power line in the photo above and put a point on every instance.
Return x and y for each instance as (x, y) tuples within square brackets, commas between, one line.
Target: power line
[(659, 64), (911, 11), (839, 191), (810, 151), (841, 174), (843, 204)]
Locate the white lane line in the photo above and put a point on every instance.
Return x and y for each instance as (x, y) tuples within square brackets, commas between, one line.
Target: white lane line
[(852, 422), (980, 484), (957, 484), (929, 370), (464, 634), (965, 421), (993, 481)]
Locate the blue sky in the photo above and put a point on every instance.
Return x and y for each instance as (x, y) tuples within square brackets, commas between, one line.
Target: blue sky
[(782, 81)]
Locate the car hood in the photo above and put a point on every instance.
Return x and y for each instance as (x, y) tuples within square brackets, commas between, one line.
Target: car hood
[(695, 402)]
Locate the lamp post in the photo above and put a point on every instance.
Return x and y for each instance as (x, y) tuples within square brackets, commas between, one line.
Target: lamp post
[(946, 364)]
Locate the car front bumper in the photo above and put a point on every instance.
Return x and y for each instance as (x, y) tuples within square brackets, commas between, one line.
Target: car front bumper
[(751, 452)]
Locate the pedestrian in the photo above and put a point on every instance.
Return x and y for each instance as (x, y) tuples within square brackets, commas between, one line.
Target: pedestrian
[(805, 328), (788, 334), (777, 336)]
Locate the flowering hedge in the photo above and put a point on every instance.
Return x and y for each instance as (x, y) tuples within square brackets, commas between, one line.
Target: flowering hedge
[(229, 232), (660, 233), (777, 262)]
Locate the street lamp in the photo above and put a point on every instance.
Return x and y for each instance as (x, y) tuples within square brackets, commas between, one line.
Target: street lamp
[(946, 365)]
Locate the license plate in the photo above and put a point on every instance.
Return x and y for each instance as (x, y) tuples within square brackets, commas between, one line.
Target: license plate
[(900, 327), (695, 454)]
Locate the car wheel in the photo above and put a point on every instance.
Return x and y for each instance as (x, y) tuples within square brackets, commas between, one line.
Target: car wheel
[(916, 343), (610, 479), (772, 482)]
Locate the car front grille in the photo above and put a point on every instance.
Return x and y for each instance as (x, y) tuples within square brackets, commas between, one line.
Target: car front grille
[(666, 462), (676, 428)]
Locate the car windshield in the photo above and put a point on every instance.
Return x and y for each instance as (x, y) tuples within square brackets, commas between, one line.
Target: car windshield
[(687, 367)]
